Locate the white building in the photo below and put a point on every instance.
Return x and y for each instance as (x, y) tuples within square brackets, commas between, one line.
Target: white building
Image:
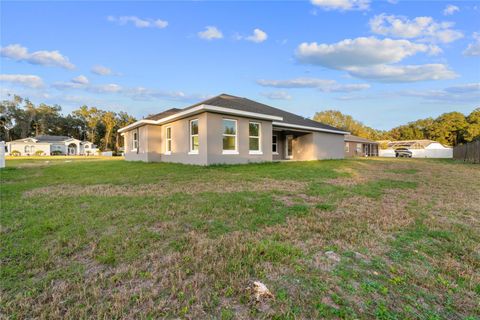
[(48, 145), (419, 149)]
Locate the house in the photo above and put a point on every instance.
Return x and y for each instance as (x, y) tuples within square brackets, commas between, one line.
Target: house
[(360, 147), (48, 145), (229, 129), (419, 148)]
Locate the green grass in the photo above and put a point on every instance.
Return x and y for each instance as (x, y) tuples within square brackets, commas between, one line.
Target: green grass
[(114, 239)]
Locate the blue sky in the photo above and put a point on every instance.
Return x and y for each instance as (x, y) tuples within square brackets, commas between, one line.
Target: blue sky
[(385, 63)]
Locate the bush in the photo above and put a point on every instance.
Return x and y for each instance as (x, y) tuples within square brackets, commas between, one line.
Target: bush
[(39, 153), (15, 153), (56, 153)]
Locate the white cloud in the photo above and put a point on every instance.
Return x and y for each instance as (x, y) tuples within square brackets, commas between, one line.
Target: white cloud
[(139, 22), (423, 28), (342, 5), (81, 79), (358, 52), (323, 85), (24, 80), (145, 94), (46, 58), (473, 48), (103, 71), (374, 59), (210, 33), (409, 73), (450, 9), (277, 95), (463, 92), (257, 36)]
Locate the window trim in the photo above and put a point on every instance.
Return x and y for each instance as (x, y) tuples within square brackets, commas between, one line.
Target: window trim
[(235, 151), (347, 147), (259, 151), (276, 144), (134, 141), (167, 139), (193, 135)]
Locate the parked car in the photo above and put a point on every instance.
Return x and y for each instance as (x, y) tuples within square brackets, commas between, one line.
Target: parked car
[(403, 153)]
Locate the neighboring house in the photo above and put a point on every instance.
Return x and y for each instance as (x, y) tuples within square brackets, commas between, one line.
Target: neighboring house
[(48, 144), (419, 148), (229, 129), (360, 147)]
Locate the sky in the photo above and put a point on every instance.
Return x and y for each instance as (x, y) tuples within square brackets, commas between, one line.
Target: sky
[(383, 62)]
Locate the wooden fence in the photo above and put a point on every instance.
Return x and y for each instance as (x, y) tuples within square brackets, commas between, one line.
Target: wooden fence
[(468, 152)]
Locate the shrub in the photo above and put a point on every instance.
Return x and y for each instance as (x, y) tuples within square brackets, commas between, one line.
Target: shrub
[(56, 153), (15, 153), (39, 153)]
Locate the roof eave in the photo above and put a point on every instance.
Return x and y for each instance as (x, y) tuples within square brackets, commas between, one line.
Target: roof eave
[(199, 109), (296, 126)]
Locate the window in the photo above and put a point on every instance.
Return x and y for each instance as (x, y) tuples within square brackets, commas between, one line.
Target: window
[(275, 144), (193, 136), (347, 147), (87, 146), (359, 147), (27, 149), (254, 138), (168, 135), (135, 141), (229, 136)]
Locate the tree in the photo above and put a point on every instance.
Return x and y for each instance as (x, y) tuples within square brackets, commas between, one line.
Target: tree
[(92, 117), (109, 120), (473, 128), (346, 122), (448, 129)]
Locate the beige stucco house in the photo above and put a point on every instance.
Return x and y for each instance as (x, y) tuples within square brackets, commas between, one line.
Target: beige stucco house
[(228, 129), (46, 145)]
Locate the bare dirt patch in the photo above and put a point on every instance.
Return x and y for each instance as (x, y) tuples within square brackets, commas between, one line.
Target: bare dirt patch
[(163, 189)]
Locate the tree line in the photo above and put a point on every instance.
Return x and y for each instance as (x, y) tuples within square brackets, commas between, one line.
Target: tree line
[(20, 118), (450, 128)]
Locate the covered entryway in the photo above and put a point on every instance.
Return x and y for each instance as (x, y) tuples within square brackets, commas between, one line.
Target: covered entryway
[(284, 143), (72, 149)]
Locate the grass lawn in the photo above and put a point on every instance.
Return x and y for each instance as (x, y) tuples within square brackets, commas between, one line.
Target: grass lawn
[(378, 238)]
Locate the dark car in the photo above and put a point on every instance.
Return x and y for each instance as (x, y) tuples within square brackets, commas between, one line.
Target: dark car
[(403, 153)]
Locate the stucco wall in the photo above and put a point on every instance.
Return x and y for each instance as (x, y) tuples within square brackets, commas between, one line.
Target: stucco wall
[(141, 154), (215, 140), (329, 145), (20, 146)]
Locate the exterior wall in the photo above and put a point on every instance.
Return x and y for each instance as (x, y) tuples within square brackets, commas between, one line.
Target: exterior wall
[(141, 153), (318, 145), (181, 141), (152, 142), (20, 146), (215, 140)]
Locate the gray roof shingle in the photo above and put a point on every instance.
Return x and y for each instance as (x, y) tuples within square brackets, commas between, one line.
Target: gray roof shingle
[(244, 104)]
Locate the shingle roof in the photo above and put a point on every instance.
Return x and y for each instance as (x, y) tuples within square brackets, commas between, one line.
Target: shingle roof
[(163, 114), (244, 104), (352, 138), (47, 138)]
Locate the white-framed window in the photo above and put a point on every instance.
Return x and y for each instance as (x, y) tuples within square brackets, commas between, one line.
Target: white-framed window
[(87, 146), (254, 138), (194, 137), (359, 147), (27, 149), (229, 133), (168, 140), (347, 147), (135, 141), (275, 144)]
